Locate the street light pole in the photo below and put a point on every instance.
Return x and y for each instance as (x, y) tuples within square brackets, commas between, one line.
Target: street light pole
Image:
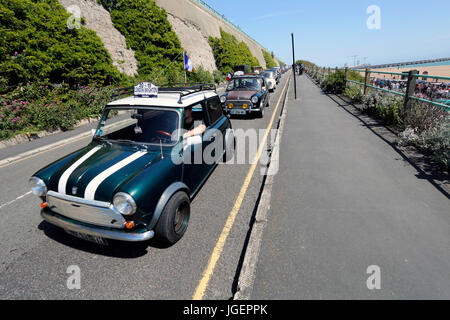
[(293, 66)]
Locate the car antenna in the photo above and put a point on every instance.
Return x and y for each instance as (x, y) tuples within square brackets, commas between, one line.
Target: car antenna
[(160, 147)]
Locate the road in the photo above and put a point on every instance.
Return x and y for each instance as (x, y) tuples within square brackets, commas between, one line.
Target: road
[(35, 256), (344, 202)]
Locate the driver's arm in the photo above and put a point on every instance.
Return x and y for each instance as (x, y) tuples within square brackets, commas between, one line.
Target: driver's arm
[(196, 131)]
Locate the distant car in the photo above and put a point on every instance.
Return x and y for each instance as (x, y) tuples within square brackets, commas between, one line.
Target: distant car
[(269, 76), (129, 183), (247, 94), (277, 72)]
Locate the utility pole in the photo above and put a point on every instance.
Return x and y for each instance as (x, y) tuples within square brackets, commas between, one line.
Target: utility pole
[(354, 59), (293, 66)]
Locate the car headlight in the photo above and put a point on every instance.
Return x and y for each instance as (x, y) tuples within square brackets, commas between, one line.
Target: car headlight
[(255, 99), (124, 203), (37, 186), (223, 99)]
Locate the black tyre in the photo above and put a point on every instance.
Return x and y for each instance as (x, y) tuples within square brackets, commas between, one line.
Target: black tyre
[(173, 222)]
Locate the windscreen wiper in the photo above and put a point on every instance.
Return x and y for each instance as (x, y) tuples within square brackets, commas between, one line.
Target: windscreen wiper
[(139, 144), (101, 139)]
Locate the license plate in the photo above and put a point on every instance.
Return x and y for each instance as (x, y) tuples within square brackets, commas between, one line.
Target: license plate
[(237, 111), (88, 237)]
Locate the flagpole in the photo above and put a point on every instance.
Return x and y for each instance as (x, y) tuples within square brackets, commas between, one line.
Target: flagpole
[(184, 67)]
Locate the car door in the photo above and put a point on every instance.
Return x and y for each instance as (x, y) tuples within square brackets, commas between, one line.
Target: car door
[(194, 168), (215, 133)]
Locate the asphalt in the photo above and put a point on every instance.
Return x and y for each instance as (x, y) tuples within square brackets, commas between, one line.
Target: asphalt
[(344, 200), (35, 256)]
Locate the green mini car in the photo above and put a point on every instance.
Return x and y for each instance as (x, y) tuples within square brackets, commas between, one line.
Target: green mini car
[(136, 178)]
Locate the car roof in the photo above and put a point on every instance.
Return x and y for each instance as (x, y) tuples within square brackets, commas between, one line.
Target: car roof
[(165, 99), (248, 76)]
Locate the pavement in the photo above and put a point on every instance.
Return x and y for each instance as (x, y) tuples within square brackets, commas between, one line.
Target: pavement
[(343, 204), (36, 257)]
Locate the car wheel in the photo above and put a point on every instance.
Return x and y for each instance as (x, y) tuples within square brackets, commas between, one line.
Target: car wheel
[(173, 222)]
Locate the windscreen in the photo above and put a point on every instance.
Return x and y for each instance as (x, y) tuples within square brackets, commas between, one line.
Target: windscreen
[(245, 84), (139, 125)]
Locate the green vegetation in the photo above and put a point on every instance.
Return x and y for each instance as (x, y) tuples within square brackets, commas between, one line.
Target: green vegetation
[(32, 108), (53, 76), (306, 63), (229, 52), (148, 33), (270, 63), (37, 45)]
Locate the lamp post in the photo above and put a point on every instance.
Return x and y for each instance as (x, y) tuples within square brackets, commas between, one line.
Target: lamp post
[(293, 66)]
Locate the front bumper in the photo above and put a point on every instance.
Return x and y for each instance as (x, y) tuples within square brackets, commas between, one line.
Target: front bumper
[(73, 225), (237, 105)]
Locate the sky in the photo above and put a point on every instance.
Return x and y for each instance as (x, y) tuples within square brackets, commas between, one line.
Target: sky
[(330, 32)]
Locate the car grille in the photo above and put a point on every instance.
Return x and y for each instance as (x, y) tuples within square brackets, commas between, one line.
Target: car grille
[(237, 104), (92, 212)]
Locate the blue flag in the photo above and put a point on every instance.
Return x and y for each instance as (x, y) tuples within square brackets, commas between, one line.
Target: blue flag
[(187, 63)]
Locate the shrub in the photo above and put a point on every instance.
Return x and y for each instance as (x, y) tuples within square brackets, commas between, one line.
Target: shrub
[(218, 76), (424, 116), (229, 52), (270, 63), (435, 142), (200, 75), (37, 45), (335, 82), (354, 93), (42, 107), (148, 33), (390, 110)]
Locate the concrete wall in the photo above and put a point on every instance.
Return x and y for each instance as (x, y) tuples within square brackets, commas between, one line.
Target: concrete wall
[(200, 23)]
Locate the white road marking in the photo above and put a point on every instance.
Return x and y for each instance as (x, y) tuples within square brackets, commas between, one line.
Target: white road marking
[(12, 201)]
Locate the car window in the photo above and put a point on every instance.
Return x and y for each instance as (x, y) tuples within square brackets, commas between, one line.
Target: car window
[(244, 84), (141, 125), (214, 109)]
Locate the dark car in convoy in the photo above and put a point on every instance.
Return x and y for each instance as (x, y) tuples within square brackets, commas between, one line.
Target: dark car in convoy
[(246, 94), (131, 182)]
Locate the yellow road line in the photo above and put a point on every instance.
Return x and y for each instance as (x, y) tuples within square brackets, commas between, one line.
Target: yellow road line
[(203, 284)]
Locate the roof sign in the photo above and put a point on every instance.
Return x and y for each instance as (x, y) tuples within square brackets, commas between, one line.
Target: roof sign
[(145, 90)]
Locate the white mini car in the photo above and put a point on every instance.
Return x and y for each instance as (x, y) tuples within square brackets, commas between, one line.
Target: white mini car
[(270, 79)]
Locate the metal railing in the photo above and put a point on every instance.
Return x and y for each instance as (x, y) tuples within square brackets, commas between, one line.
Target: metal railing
[(231, 24), (409, 94)]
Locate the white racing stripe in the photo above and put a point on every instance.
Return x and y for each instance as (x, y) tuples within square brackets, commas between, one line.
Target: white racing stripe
[(65, 176), (91, 188)]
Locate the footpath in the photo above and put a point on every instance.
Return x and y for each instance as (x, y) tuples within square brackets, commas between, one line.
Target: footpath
[(349, 218)]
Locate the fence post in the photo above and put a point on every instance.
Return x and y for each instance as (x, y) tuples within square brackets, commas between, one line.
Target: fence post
[(346, 74), (366, 80), (410, 89)]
